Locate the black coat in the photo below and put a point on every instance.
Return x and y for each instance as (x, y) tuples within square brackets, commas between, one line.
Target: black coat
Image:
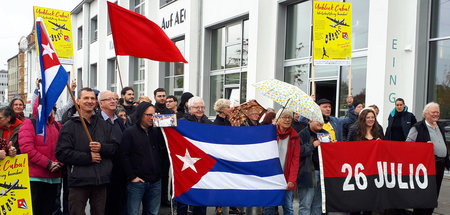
[(407, 120), (193, 118), (222, 121), (73, 150), (162, 109)]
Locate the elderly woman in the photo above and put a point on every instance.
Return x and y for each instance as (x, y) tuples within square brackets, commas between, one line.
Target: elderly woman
[(366, 128), (9, 126), (222, 107), (253, 117), (18, 106), (289, 152)]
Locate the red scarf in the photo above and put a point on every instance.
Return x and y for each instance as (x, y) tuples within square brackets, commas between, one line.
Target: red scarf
[(291, 168)]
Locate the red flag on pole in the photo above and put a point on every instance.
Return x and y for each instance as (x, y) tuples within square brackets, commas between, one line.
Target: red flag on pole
[(135, 35)]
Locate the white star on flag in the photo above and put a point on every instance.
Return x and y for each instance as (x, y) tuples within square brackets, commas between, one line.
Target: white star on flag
[(48, 50), (188, 161)]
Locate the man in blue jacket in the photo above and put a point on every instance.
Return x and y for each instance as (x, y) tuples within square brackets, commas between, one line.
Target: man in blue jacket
[(334, 126)]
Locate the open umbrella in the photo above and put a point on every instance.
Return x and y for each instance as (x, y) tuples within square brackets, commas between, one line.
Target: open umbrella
[(238, 114), (291, 98)]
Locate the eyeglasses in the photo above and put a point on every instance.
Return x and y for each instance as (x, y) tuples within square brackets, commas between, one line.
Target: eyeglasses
[(199, 107), (109, 99), (287, 118)]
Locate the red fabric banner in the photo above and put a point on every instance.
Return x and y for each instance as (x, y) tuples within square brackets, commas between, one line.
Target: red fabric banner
[(377, 175), (137, 36)]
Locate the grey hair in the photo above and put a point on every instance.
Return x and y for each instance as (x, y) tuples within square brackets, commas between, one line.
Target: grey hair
[(427, 106), (221, 103), (119, 109), (283, 112), (193, 100), (101, 95)]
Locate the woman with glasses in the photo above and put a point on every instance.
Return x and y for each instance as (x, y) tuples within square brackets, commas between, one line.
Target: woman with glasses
[(289, 151)]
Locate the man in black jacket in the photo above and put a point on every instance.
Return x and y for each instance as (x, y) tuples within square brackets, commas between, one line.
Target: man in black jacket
[(160, 101), (127, 100), (429, 130), (140, 159), (89, 163)]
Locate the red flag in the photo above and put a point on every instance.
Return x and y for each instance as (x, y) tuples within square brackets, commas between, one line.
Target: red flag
[(137, 36)]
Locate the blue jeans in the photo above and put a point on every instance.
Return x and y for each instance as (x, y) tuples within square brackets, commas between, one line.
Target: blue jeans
[(288, 208), (311, 198), (147, 193)]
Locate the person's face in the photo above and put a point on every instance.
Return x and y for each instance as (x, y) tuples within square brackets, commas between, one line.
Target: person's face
[(285, 121), (147, 117), (117, 97), (123, 115), (129, 96), (399, 106), (315, 126), (18, 106), (170, 103), (370, 119), (108, 102), (253, 115), (326, 109), (433, 114), (358, 109), (87, 101), (296, 116), (226, 110), (160, 97), (4, 121), (198, 109)]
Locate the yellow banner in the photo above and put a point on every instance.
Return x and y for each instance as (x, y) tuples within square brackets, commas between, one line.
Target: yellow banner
[(332, 27), (15, 195), (59, 27)]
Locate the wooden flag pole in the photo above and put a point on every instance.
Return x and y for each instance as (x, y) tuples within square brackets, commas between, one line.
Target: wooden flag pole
[(79, 113), (118, 69), (313, 75), (350, 80)]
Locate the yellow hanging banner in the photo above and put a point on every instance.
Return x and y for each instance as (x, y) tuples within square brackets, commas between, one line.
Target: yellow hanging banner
[(15, 194), (332, 30), (59, 27)]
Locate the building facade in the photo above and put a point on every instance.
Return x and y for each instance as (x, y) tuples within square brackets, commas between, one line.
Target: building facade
[(13, 74), (3, 86), (399, 50)]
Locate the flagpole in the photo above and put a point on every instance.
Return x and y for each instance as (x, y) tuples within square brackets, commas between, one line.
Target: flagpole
[(350, 80), (79, 113), (313, 83), (118, 69)]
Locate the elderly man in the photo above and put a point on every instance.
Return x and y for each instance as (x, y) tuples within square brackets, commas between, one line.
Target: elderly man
[(89, 163), (430, 130), (196, 108)]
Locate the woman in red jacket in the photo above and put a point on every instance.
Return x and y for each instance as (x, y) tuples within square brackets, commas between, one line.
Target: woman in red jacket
[(44, 169), (289, 152)]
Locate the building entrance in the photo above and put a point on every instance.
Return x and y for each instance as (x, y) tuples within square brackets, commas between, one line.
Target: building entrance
[(327, 90)]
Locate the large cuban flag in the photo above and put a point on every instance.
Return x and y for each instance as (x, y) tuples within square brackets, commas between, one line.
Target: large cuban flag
[(225, 166), (54, 76)]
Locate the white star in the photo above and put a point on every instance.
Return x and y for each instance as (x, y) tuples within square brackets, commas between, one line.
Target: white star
[(48, 50), (188, 161)]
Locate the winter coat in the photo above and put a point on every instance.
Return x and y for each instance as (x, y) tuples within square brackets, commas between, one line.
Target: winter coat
[(40, 154), (73, 150), (291, 164), (407, 121), (424, 136), (12, 134), (221, 121), (193, 118), (306, 175)]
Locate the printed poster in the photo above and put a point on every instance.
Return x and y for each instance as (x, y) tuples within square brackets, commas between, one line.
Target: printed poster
[(332, 29), (15, 195), (59, 27)]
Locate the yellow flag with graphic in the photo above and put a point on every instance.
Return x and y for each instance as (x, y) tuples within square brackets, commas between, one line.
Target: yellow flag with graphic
[(332, 33), (59, 27), (15, 194)]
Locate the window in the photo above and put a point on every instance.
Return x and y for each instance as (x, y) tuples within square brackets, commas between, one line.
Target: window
[(297, 64), (439, 56), (138, 6), (93, 29), (93, 76), (80, 37), (108, 30), (163, 3), (174, 74), (137, 76), (229, 58), (79, 78), (111, 76)]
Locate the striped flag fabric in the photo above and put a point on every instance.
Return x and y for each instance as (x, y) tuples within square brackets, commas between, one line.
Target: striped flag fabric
[(54, 76), (225, 166)]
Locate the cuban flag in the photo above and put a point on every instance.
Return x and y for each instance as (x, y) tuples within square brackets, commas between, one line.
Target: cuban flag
[(225, 166), (54, 76)]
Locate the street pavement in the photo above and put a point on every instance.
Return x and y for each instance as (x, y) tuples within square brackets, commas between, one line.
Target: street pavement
[(443, 203)]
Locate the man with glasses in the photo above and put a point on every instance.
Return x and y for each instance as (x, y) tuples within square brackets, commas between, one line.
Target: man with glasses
[(172, 103), (141, 161), (252, 118), (115, 201)]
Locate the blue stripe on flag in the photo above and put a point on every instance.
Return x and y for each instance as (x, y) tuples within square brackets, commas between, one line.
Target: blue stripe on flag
[(240, 198), (226, 134), (263, 168)]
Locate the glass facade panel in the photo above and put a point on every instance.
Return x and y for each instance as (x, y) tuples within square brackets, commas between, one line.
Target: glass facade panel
[(232, 78), (298, 76), (217, 49), (360, 23), (243, 87), (234, 33), (359, 68), (298, 31), (440, 18), (326, 71), (439, 76), (233, 56), (216, 91)]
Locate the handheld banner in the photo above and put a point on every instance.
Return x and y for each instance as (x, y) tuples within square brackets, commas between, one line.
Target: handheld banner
[(332, 33), (59, 27), (15, 195), (376, 175)]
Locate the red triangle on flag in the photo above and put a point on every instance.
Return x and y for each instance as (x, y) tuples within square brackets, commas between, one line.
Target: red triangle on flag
[(189, 162)]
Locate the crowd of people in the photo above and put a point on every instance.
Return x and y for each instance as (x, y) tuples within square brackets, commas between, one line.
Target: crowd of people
[(124, 163)]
